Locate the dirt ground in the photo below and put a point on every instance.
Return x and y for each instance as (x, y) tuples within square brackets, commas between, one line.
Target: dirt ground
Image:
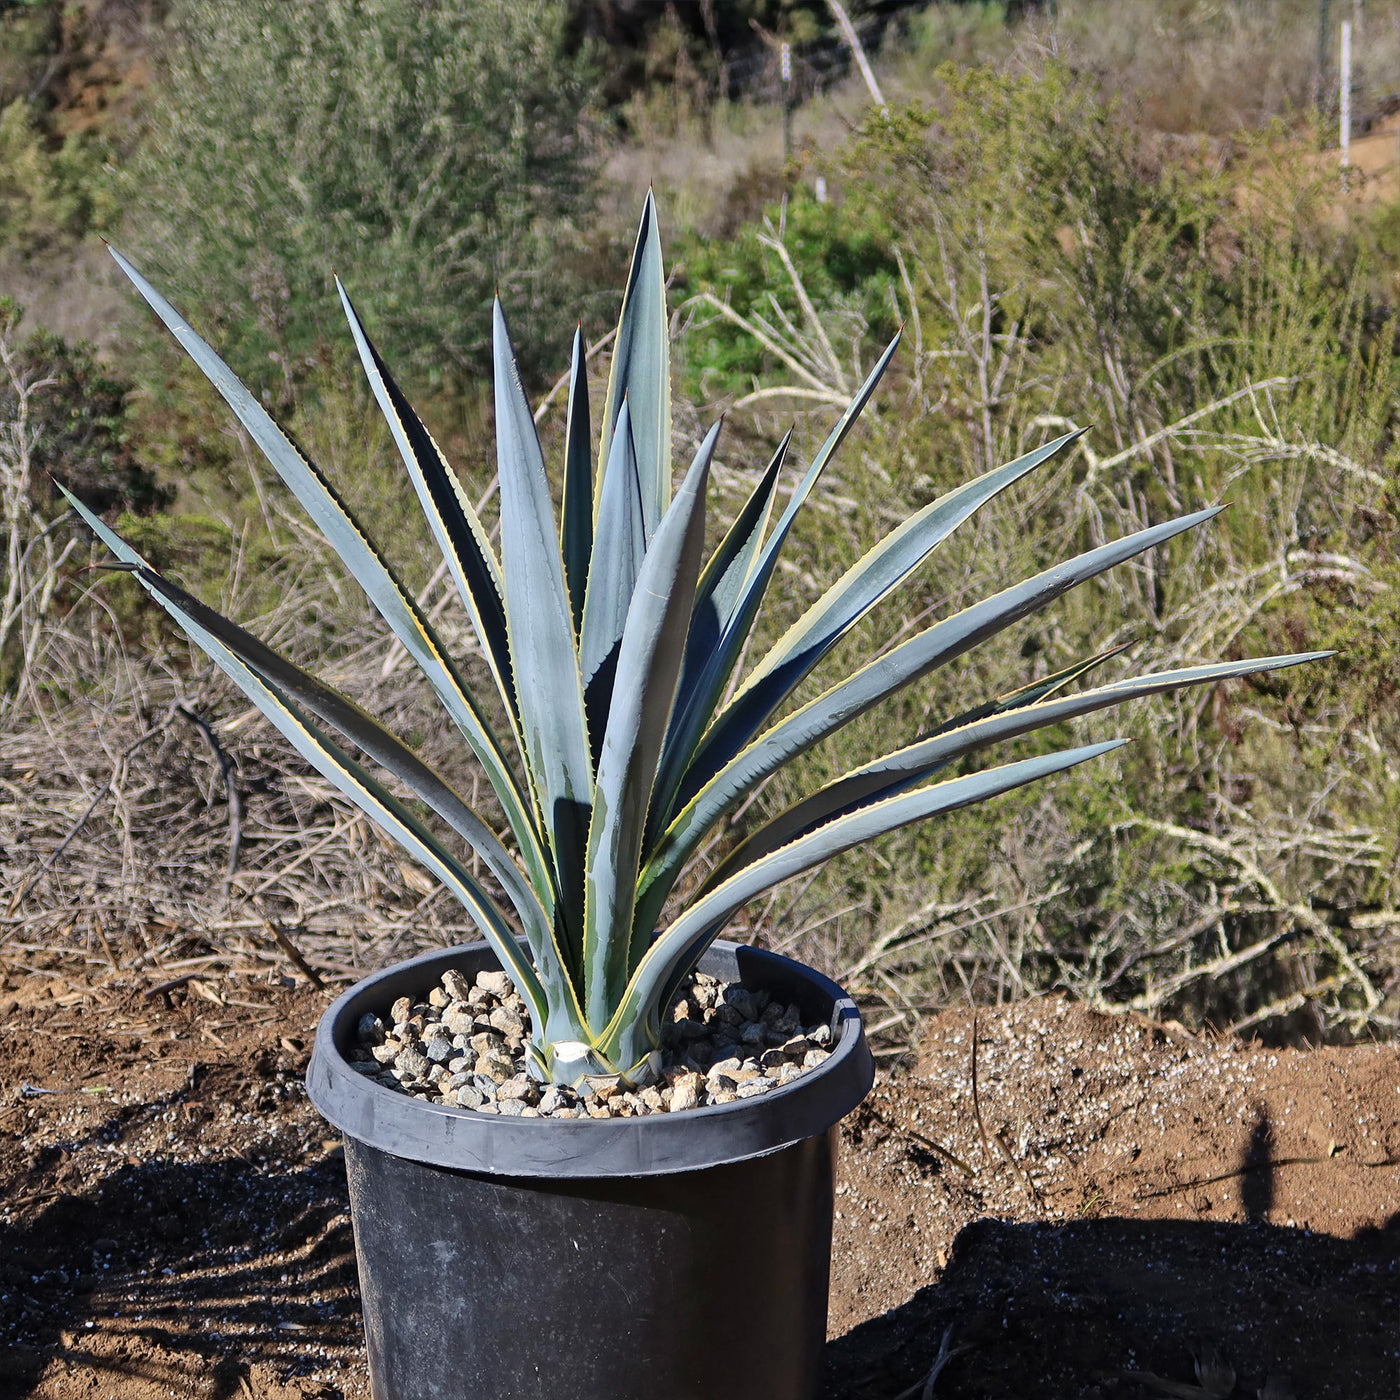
[(1136, 1214)]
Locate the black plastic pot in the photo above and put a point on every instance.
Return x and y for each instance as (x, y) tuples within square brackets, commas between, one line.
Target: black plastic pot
[(683, 1256)]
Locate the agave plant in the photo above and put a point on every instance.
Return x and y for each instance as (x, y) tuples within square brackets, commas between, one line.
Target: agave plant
[(612, 642)]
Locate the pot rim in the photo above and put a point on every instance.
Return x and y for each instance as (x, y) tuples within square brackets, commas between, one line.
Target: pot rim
[(654, 1144)]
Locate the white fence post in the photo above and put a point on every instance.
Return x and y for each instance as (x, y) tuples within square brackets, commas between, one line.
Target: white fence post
[(1344, 86)]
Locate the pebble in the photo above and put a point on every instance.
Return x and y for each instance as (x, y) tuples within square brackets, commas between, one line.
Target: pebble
[(463, 1043)]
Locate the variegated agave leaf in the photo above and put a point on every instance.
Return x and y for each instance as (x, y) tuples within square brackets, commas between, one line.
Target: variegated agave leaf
[(611, 643)]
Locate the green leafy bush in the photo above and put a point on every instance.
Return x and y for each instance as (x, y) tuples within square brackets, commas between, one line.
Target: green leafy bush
[(432, 151)]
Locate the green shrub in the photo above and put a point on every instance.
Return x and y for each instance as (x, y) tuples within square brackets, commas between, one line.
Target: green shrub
[(432, 152)]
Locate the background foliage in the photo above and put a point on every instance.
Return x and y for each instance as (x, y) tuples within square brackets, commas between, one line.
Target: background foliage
[(1067, 233)]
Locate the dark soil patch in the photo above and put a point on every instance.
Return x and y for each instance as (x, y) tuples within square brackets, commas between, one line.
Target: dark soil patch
[(1136, 1206)]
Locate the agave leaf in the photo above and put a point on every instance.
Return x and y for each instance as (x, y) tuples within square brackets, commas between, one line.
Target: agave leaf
[(649, 663), (395, 605), (678, 947), (863, 585), (904, 768), (724, 575), (385, 748), (541, 629), (619, 546), (455, 524), (721, 583), (576, 527), (697, 707), (1031, 693), (868, 686), (349, 778), (641, 371)]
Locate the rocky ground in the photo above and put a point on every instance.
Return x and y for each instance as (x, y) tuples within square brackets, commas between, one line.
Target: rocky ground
[(1113, 1210)]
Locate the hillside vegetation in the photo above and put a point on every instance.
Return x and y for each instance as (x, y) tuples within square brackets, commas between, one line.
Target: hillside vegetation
[(1122, 217)]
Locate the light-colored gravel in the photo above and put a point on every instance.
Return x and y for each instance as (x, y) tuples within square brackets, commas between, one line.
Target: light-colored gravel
[(464, 1045)]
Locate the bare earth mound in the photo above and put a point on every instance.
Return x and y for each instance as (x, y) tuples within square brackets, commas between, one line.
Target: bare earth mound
[(1139, 1214)]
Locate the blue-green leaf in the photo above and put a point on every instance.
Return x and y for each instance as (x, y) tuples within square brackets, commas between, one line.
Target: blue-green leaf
[(904, 768), (576, 528), (369, 570), (350, 779), (641, 371), (542, 651), (863, 585), (874, 682), (686, 938), (698, 707), (649, 663), (716, 597), (455, 524), (619, 548)]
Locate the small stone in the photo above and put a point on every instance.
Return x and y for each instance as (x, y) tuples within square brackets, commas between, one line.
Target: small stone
[(479, 999), (508, 1022), (651, 1097), (518, 1086), (729, 1065), (681, 1010), (632, 1105), (437, 1074), (528, 1112), (814, 1057), (487, 1043), (797, 1047), (704, 993), (772, 1013), (552, 1100), (788, 1072), (754, 1087), (467, 1096), (819, 1035), (497, 983), (457, 1019), (753, 1033), (370, 1067), (689, 1030), (433, 1029), (411, 1064), (603, 1086), (772, 1058), (456, 984), (741, 1001), (596, 1109), (723, 1095), (485, 1083), (439, 998), (387, 1053), (370, 1030), (439, 1050), (401, 1010), (567, 1113), (790, 1022), (487, 1106), (685, 1091), (460, 1062), (496, 1067), (510, 1108)]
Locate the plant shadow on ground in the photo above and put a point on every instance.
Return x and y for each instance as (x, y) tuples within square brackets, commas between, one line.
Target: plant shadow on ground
[(177, 1278), (1121, 1306)]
